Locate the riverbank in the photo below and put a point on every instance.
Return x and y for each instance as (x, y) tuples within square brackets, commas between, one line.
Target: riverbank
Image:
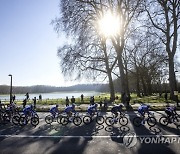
[(83, 107)]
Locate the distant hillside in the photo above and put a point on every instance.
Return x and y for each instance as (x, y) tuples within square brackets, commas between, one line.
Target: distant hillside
[(4, 89)]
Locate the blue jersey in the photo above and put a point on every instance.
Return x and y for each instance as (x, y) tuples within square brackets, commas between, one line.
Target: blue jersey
[(27, 109), (92, 108), (143, 108), (69, 109), (171, 109), (116, 109), (54, 109)]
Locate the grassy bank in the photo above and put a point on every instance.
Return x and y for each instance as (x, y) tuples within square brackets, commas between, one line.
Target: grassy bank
[(158, 103)]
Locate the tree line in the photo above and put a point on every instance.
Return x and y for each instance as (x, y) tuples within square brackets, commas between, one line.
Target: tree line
[(142, 52), (4, 89)]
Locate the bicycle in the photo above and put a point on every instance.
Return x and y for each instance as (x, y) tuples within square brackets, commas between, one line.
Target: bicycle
[(87, 119), (50, 118), (9, 113), (151, 121), (32, 117), (65, 119), (175, 119), (112, 120)]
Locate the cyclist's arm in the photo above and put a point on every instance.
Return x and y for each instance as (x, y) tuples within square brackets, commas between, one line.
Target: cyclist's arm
[(96, 109), (74, 111)]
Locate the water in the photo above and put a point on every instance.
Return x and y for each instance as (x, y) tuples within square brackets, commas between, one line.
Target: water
[(55, 95)]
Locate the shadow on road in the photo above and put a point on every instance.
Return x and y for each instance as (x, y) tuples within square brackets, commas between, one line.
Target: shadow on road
[(147, 148)]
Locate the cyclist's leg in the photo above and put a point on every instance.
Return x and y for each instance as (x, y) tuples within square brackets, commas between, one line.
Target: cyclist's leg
[(70, 116), (115, 115), (142, 114), (169, 114), (90, 112)]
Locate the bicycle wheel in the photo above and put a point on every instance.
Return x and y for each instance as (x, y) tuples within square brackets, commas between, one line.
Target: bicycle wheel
[(100, 120), (34, 121), (123, 121), (137, 121), (48, 119), (59, 119), (176, 120), (87, 120), (151, 121), (164, 121), (109, 121), (64, 120), (77, 121), (23, 121), (6, 117), (15, 119), (1, 118)]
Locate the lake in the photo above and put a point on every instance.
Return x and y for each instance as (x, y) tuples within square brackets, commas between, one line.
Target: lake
[(54, 95)]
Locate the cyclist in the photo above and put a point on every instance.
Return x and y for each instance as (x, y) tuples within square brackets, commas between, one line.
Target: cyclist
[(92, 109), (142, 110), (11, 108), (170, 111), (28, 110), (69, 109), (54, 110), (115, 110)]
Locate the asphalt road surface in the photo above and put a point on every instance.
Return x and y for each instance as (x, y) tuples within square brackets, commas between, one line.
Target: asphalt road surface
[(90, 139)]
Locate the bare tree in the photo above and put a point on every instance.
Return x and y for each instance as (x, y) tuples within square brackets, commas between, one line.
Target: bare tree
[(146, 61), (88, 52), (165, 23)]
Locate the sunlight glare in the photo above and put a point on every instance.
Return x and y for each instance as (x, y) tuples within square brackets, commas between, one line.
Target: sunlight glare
[(109, 25)]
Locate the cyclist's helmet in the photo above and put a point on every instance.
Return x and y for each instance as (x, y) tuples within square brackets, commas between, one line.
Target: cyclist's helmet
[(57, 105), (174, 107), (148, 106), (96, 105), (121, 105)]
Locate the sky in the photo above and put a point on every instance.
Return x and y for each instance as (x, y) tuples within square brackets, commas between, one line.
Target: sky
[(28, 43)]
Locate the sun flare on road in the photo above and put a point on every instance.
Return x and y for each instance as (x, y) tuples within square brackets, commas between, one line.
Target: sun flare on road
[(109, 24)]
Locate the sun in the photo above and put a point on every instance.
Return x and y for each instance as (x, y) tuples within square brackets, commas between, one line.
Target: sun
[(109, 24)]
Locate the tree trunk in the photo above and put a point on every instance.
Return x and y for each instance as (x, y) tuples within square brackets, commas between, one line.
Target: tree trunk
[(149, 86), (137, 85), (122, 74), (144, 86), (172, 79), (111, 84), (111, 87)]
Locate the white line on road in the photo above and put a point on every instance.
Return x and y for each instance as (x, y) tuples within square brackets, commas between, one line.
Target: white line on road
[(48, 136)]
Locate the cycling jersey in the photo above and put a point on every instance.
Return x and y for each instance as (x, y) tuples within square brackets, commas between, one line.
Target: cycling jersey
[(69, 109), (143, 109), (27, 110), (54, 110), (116, 109), (92, 108), (170, 111)]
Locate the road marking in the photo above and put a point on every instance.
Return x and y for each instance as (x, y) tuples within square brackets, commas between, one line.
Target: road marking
[(48, 136)]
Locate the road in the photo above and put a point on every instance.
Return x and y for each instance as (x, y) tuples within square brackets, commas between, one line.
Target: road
[(87, 139)]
